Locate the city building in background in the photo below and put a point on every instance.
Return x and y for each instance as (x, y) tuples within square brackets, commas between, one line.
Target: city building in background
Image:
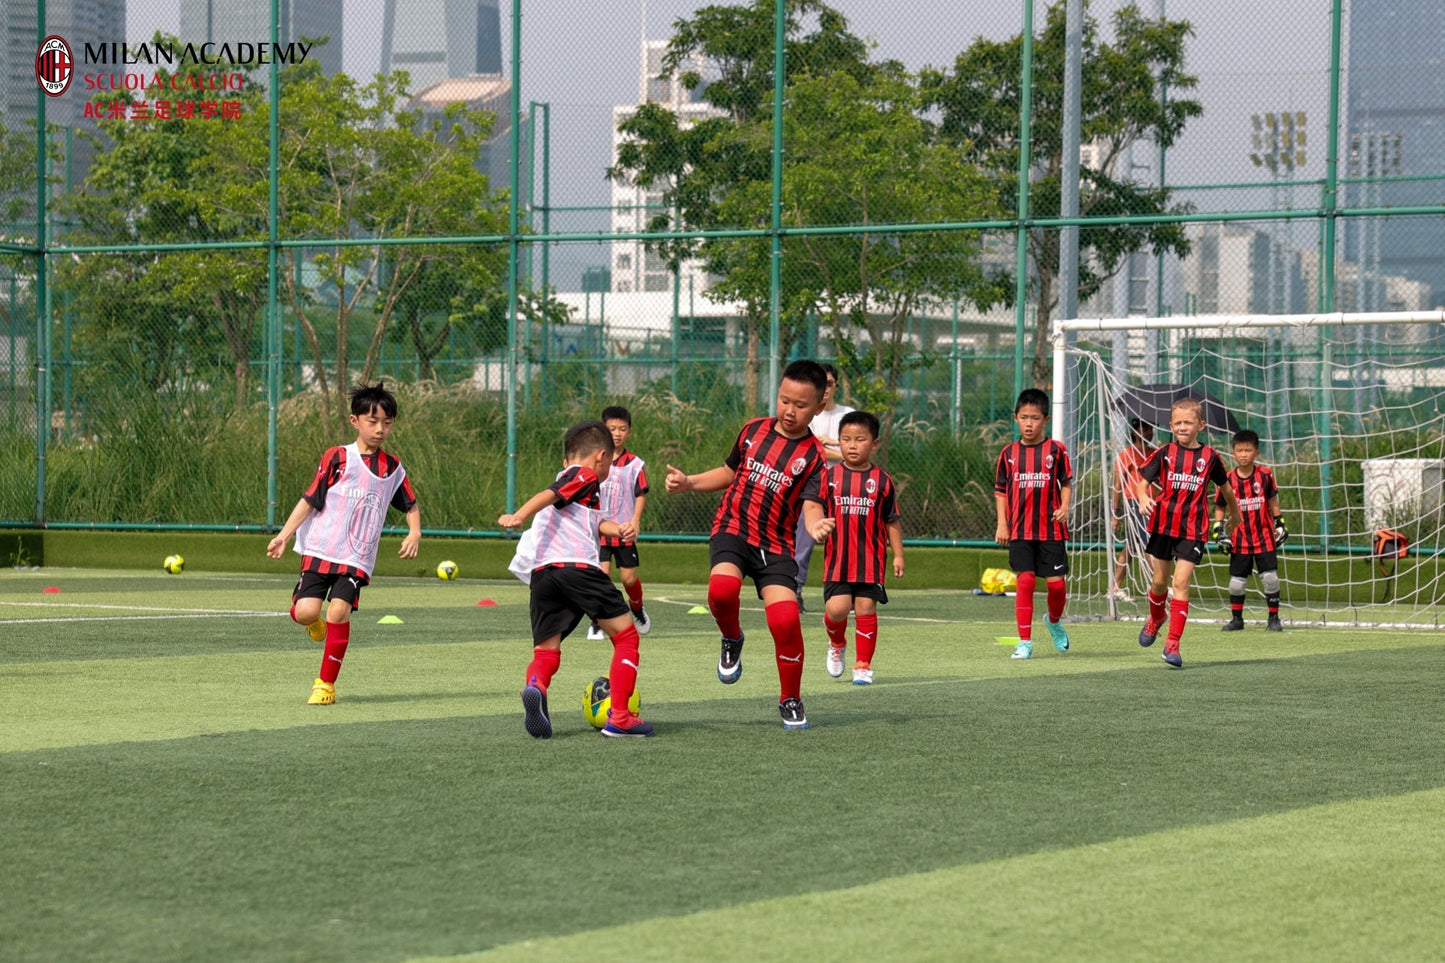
[(436, 40), (488, 92), (232, 21)]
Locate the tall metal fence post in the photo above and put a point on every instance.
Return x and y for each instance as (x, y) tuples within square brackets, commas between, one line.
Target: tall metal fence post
[(513, 252), (775, 285), (1021, 234), (546, 245), (42, 287), (273, 318), (1327, 266)]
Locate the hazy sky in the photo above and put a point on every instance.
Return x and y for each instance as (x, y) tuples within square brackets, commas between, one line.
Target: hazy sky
[(582, 58)]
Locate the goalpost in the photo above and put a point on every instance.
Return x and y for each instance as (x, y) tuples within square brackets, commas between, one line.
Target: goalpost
[(1350, 411)]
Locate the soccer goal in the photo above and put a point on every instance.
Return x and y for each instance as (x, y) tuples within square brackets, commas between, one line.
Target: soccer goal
[(1350, 411)]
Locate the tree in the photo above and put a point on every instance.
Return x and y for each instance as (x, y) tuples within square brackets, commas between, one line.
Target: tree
[(979, 107)]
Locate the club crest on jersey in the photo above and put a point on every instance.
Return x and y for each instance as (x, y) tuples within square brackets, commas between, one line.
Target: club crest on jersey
[(1256, 488), (1048, 461), (798, 465), (871, 485), (1199, 468)]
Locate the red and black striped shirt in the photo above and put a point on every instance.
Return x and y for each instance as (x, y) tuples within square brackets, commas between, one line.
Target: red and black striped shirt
[(1254, 492), (1183, 474), (333, 465), (862, 502), (772, 475), (1031, 479), (640, 488)]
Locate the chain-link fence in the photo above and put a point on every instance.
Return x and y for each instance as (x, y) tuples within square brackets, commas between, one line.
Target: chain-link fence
[(516, 214)]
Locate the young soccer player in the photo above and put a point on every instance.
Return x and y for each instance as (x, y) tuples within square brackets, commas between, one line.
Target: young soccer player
[(1252, 545), (859, 497), (337, 524), (1126, 500), (624, 493), (568, 584), (825, 425), (774, 464), (1032, 487), (1178, 518)]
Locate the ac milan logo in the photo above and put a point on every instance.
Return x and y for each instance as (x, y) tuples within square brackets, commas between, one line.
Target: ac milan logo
[(1256, 488), (1199, 468), (54, 65), (798, 465), (1048, 461), (871, 485)]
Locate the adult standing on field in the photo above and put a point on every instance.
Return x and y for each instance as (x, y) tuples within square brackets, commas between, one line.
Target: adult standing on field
[(825, 429)]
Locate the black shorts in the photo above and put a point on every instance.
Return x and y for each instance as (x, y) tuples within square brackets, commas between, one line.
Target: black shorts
[(764, 568), (858, 590), (625, 555), (1044, 559), (1173, 549), (563, 595), (1241, 563), (337, 585)]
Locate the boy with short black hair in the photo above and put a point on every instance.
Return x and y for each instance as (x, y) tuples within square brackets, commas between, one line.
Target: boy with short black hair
[(1178, 519), (860, 499), (1032, 487), (774, 464), (337, 524), (558, 555), (623, 495), (1252, 545)]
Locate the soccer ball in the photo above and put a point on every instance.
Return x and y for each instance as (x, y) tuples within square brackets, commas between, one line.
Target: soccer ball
[(447, 571), (175, 564), (597, 700)]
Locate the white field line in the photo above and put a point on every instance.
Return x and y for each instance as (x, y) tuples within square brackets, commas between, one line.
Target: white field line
[(159, 613), (136, 618), (891, 618)]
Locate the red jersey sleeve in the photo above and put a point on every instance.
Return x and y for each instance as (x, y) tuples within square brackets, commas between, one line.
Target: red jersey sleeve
[(641, 488), (576, 484), (333, 463)]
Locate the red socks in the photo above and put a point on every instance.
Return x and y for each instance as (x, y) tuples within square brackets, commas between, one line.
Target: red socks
[(338, 635), (722, 600), (544, 665), (1024, 606), (622, 676), (1058, 595), (788, 641), (1178, 615), (865, 634), (634, 594), (837, 631), (1156, 608)]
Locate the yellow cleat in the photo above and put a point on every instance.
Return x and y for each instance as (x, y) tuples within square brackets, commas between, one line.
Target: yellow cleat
[(317, 630), (322, 694)]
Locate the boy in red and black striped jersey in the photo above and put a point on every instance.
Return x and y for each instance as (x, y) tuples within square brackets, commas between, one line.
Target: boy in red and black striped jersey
[(774, 464), (557, 558), (1252, 545), (1178, 518), (860, 499), (624, 494), (337, 524), (1032, 486)]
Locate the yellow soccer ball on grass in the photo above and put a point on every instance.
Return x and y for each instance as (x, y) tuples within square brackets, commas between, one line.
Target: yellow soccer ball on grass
[(597, 700), (174, 564), (447, 571)]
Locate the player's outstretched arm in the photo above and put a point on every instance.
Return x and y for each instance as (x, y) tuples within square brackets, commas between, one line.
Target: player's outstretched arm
[(277, 546), (713, 480), (532, 506), (412, 542)]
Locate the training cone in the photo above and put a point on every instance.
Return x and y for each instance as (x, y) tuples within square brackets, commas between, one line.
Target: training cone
[(388, 620), (1006, 640), (487, 603), (698, 610), (50, 590)]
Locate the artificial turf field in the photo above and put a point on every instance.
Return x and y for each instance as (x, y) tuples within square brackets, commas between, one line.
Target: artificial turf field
[(166, 795)]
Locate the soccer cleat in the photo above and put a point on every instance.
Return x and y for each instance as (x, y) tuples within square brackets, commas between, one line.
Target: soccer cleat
[(536, 720), (793, 715), (1171, 656), (633, 726), (322, 694), (1024, 650), (862, 675), (835, 660), (643, 623), (317, 630), (730, 661), (1149, 633), (1056, 629), (1273, 624), (595, 633), (1235, 624)]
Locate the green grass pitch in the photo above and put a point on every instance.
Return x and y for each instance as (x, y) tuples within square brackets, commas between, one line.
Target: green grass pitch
[(166, 795)]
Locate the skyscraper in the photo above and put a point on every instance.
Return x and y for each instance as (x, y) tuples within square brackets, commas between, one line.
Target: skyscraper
[(435, 40), (1395, 126), (222, 21)]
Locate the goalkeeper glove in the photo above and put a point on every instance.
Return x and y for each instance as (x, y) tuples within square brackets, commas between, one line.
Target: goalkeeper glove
[(1221, 536), (1280, 532)]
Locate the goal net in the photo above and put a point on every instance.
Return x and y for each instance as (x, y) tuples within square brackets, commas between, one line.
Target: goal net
[(1350, 411)]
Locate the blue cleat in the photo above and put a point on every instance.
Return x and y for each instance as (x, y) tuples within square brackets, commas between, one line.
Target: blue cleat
[(635, 728), (534, 703), (1148, 634), (730, 661), (1056, 629), (1024, 650), (793, 715), (1175, 662)]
